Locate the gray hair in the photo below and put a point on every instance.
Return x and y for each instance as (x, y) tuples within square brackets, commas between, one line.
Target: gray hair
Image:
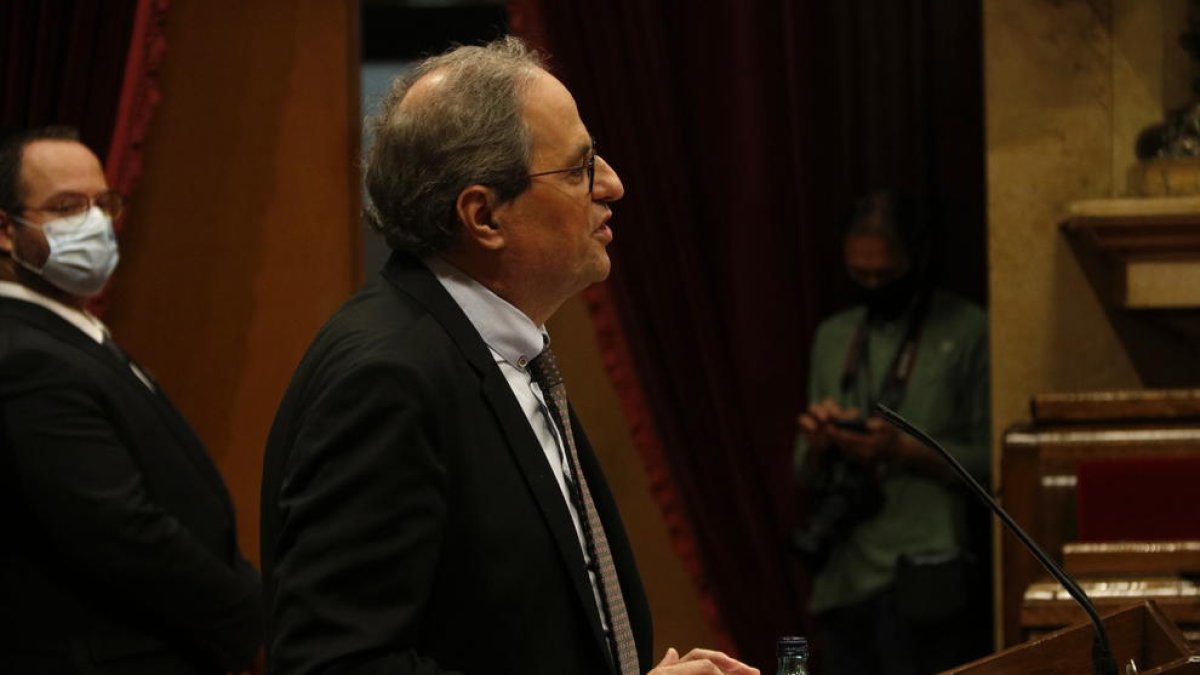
[(469, 131)]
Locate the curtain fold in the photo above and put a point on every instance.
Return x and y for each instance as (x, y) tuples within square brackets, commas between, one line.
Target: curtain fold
[(742, 132), (140, 94)]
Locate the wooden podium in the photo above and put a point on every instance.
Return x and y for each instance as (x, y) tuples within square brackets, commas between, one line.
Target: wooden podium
[(1138, 632)]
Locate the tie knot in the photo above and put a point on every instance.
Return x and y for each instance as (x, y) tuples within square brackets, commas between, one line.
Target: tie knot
[(544, 369)]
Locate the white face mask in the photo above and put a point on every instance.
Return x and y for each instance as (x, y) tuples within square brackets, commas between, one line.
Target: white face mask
[(82, 255)]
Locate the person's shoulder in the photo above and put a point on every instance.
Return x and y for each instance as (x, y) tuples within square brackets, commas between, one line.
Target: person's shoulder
[(842, 324), (951, 309), (378, 323), (31, 354), (26, 326), (848, 317), (949, 302), (381, 349), (377, 307)]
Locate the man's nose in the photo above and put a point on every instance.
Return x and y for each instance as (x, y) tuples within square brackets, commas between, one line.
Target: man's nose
[(607, 186)]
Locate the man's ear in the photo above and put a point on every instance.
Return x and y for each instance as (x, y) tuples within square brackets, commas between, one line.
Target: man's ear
[(476, 207), (6, 232)]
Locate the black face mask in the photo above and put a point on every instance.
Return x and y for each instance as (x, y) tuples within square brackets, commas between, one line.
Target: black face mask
[(890, 300)]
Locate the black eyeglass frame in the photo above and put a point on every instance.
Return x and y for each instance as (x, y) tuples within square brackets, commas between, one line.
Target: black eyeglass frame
[(589, 165)]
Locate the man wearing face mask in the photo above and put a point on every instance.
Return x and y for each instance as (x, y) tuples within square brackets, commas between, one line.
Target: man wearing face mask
[(119, 554), (885, 535)]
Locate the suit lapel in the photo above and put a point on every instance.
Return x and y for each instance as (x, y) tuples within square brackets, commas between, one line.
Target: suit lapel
[(411, 277)]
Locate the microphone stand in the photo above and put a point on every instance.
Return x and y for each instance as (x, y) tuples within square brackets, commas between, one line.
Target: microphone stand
[(1103, 662)]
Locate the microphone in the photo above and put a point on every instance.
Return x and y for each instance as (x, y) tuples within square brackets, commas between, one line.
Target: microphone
[(1103, 662)]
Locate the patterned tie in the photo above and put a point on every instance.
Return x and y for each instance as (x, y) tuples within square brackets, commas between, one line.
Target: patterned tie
[(545, 372)]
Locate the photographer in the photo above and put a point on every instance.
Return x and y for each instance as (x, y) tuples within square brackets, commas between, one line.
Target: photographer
[(886, 535)]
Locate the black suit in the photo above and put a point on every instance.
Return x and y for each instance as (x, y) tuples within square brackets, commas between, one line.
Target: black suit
[(411, 522), (119, 554)]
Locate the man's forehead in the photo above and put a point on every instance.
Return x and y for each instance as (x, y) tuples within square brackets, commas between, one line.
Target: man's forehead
[(544, 94), (552, 116), (55, 149), (58, 165)]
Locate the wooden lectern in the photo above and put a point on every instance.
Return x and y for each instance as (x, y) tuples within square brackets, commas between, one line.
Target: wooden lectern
[(1138, 632)]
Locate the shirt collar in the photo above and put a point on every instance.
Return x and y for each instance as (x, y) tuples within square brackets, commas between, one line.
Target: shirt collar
[(84, 321), (504, 328)]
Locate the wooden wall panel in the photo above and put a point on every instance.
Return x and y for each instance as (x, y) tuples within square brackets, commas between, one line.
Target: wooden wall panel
[(242, 236)]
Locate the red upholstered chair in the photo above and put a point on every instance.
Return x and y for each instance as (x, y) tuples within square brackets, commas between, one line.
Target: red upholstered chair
[(1138, 499)]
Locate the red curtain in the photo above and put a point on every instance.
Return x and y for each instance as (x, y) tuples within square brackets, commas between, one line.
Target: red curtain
[(91, 64), (742, 131), (139, 94)]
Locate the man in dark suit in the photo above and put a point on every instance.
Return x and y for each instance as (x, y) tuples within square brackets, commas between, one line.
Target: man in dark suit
[(429, 505), (119, 555)]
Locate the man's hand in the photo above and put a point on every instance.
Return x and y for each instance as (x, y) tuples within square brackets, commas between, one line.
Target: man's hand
[(701, 662), (816, 423), (880, 441)]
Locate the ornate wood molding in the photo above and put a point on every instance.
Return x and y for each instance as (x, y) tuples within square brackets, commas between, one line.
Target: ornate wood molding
[(1150, 247)]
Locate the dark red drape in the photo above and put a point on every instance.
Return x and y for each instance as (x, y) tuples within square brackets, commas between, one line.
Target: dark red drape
[(64, 63), (140, 94), (91, 64), (742, 130)]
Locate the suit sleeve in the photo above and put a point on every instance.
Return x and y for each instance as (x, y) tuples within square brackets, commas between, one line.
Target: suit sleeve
[(89, 499), (362, 513)]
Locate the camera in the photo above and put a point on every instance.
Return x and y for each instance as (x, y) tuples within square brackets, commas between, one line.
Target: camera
[(843, 493)]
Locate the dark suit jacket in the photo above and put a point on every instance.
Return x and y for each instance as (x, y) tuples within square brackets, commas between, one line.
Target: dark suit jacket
[(118, 554), (411, 522)]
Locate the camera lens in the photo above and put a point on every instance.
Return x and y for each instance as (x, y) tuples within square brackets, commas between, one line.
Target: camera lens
[(844, 494)]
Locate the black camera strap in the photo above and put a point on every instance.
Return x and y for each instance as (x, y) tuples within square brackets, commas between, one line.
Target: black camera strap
[(895, 384)]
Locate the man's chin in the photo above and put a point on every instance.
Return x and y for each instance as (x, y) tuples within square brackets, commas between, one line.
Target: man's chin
[(602, 269), (594, 274)]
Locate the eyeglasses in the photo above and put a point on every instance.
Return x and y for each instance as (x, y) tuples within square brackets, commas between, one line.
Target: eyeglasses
[(589, 166), (73, 207)]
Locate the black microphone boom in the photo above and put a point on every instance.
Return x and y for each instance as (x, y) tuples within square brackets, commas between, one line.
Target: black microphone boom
[(1103, 662)]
